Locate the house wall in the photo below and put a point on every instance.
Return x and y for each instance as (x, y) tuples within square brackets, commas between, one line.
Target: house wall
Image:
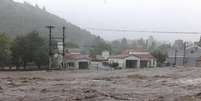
[(119, 61), (122, 62), (105, 54), (132, 58), (76, 63), (66, 63), (153, 63)]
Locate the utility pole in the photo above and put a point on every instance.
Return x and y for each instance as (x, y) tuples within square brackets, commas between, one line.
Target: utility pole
[(50, 27), (175, 57), (64, 29), (184, 58)]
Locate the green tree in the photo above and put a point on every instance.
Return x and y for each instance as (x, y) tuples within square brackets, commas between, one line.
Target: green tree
[(41, 55), (99, 46), (199, 42), (71, 45), (17, 51), (141, 43), (116, 46), (30, 48), (160, 56), (124, 44), (5, 44)]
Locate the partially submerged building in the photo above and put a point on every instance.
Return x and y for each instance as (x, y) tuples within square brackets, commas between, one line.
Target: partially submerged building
[(134, 58), (103, 57), (73, 59)]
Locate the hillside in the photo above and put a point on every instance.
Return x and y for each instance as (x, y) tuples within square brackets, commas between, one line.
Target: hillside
[(21, 18)]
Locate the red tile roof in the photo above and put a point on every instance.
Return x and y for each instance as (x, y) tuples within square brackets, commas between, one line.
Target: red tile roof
[(134, 50), (76, 57), (142, 56), (121, 56), (145, 56)]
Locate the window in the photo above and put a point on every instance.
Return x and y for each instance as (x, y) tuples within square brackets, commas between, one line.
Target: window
[(192, 51), (71, 64)]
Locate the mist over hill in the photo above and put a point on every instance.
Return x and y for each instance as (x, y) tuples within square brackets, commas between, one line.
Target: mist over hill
[(21, 18)]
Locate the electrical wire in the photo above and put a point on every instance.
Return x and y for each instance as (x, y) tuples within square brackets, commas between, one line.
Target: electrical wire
[(141, 31)]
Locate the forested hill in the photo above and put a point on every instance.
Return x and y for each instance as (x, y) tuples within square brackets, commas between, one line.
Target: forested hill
[(21, 18)]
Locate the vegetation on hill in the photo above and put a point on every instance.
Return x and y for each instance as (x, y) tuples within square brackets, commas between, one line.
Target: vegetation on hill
[(22, 18)]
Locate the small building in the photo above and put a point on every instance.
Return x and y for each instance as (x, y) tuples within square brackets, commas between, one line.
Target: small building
[(133, 58), (191, 56), (105, 54), (76, 61), (73, 59), (103, 57)]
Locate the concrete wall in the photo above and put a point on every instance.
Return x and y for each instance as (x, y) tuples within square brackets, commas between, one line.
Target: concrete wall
[(119, 61), (179, 61), (189, 61), (122, 62)]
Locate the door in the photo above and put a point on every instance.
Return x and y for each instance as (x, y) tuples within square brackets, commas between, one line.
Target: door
[(143, 63), (131, 63), (83, 65)]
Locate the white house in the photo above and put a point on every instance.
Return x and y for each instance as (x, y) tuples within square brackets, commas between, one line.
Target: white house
[(76, 61), (105, 54), (73, 59), (134, 58)]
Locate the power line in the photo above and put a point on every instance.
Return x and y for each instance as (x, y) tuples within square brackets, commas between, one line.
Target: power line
[(142, 31)]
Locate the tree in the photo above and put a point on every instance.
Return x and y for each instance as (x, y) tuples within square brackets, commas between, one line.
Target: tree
[(30, 48), (141, 43), (160, 56), (151, 43), (41, 56), (5, 44), (134, 44), (124, 44), (71, 45), (199, 43), (99, 46), (17, 51), (116, 46)]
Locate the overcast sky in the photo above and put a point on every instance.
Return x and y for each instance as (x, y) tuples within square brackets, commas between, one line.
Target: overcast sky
[(160, 15)]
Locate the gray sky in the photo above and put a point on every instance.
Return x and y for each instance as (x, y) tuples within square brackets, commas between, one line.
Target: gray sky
[(160, 15)]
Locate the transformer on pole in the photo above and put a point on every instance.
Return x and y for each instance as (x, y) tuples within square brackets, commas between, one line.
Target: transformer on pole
[(50, 27), (64, 29), (56, 48)]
